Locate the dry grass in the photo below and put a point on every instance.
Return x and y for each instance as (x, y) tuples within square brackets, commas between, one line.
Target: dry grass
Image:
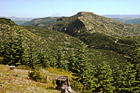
[(59, 72), (17, 81)]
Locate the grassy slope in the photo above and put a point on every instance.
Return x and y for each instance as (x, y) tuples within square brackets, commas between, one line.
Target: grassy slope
[(17, 80)]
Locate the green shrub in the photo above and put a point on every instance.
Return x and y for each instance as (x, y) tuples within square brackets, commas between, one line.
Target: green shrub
[(35, 75), (76, 85)]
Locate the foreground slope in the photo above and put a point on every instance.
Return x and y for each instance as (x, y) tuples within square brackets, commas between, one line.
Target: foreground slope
[(17, 80)]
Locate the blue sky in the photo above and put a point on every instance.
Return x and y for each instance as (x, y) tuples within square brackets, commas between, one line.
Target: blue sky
[(44, 8)]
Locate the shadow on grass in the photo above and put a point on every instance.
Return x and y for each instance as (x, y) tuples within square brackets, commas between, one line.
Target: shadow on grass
[(52, 88)]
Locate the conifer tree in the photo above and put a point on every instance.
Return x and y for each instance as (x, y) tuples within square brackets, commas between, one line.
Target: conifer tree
[(90, 80), (31, 57), (81, 65), (61, 62), (135, 60), (72, 61), (11, 48), (19, 48), (117, 77), (42, 59), (104, 79), (53, 61), (128, 82)]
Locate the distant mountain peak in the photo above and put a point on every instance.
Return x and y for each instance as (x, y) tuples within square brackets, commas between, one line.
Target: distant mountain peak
[(86, 14), (83, 13), (88, 22)]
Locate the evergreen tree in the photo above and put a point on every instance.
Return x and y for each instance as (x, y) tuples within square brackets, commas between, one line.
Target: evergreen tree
[(19, 50), (53, 61), (135, 60), (90, 80), (61, 62), (11, 46), (42, 59), (72, 61), (117, 77), (31, 57), (104, 79), (9, 49), (81, 65), (128, 82), (2, 43)]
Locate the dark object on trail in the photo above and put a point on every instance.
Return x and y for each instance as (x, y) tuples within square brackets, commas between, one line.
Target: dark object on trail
[(63, 83), (12, 67), (62, 80)]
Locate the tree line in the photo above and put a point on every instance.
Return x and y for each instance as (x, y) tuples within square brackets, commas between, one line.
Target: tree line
[(93, 78)]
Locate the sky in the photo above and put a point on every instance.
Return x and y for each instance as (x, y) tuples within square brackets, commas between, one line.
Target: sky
[(45, 8)]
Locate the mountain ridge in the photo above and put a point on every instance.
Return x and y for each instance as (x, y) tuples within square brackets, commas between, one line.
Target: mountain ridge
[(94, 23)]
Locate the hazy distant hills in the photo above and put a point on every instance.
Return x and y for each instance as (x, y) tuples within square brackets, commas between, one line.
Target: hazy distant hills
[(41, 22), (19, 20), (123, 16), (128, 21)]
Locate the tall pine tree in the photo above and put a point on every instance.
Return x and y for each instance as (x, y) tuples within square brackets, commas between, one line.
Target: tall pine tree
[(104, 79)]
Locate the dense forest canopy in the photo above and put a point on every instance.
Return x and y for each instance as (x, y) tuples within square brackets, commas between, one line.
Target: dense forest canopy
[(102, 54)]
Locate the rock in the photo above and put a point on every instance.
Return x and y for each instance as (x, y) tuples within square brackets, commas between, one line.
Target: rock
[(12, 67)]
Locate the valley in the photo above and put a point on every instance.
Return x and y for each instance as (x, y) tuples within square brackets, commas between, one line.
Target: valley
[(102, 54)]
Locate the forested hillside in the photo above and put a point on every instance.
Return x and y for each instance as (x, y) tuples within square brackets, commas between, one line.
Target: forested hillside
[(98, 32), (103, 55)]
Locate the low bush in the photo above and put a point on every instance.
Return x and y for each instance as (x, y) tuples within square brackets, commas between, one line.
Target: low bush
[(76, 85), (35, 75)]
